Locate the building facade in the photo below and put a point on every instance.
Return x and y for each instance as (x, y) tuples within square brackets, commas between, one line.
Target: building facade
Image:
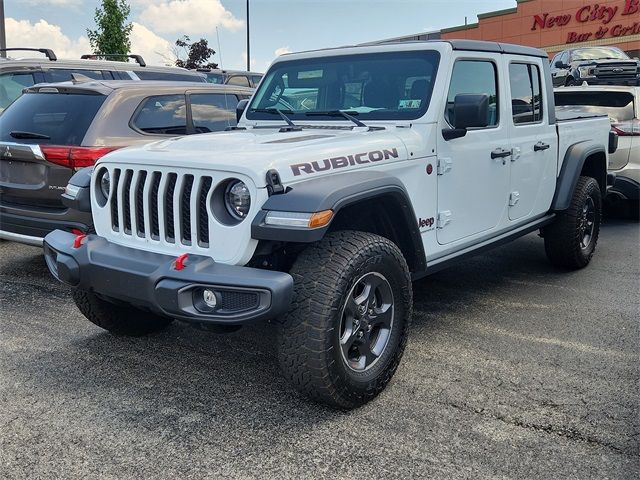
[(555, 25)]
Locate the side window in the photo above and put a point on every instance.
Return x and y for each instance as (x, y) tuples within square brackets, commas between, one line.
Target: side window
[(256, 79), (565, 57), (213, 112), (11, 85), (526, 97), (162, 115), (239, 80), (56, 75), (474, 77)]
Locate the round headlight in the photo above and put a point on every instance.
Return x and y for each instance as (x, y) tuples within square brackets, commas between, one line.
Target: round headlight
[(237, 199), (105, 183)]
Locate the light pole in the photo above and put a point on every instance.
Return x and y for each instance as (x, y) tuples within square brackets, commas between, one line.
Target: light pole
[(248, 44), (3, 34)]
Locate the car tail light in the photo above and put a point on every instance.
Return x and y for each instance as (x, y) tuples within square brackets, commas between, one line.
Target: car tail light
[(74, 157), (627, 129)]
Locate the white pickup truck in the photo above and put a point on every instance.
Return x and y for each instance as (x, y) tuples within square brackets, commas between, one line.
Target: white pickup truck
[(352, 172)]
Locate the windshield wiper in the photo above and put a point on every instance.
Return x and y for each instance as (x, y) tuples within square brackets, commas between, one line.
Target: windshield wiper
[(29, 135), (279, 112), (339, 113)]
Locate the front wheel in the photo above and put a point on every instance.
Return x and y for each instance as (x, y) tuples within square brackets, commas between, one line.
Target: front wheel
[(118, 319), (345, 333), (571, 239)]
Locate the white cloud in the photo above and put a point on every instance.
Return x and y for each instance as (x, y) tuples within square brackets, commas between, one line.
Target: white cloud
[(282, 51), (187, 17), (44, 35), (55, 3), (153, 48)]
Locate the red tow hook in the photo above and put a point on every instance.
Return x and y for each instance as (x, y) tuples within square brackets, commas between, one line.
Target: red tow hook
[(180, 261), (77, 242)]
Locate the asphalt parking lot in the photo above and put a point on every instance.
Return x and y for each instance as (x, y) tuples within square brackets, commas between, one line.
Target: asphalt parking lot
[(513, 370)]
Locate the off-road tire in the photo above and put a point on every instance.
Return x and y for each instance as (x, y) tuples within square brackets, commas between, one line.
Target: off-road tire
[(562, 239), (324, 274), (118, 319)]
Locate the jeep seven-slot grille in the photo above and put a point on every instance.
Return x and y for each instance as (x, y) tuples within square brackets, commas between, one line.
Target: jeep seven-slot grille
[(167, 207)]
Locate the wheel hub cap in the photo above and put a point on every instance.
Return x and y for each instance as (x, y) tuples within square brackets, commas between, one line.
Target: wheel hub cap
[(586, 223), (366, 322)]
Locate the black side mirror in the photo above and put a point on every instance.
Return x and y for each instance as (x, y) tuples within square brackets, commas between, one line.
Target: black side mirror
[(240, 108), (469, 111), (559, 64)]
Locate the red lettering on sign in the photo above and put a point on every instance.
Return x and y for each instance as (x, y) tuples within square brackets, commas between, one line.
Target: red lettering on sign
[(631, 7)]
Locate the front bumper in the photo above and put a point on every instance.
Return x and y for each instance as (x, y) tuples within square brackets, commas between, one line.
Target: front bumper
[(630, 82), (150, 281)]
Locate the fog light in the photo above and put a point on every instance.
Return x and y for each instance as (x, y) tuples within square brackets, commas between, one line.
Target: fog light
[(209, 298)]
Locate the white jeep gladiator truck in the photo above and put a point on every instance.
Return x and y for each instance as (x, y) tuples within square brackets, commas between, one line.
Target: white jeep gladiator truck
[(352, 172)]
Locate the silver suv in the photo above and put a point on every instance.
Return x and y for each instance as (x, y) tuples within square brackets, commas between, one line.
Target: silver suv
[(16, 74), (54, 129)]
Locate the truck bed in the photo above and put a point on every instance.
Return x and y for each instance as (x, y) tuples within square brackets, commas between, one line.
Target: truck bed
[(578, 128)]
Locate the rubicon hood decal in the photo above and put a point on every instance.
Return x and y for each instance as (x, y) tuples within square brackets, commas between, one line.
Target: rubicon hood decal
[(343, 161)]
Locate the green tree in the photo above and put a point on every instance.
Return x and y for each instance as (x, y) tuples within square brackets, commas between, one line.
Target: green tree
[(198, 53), (111, 36)]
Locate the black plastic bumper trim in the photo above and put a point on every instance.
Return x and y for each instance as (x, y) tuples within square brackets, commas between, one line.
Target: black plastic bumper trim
[(149, 280)]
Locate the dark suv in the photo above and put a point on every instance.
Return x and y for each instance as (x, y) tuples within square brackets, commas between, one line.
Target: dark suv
[(16, 74), (596, 66), (54, 129)]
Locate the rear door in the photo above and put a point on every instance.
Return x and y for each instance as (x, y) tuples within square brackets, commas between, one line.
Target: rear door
[(32, 171), (533, 139), (473, 186)]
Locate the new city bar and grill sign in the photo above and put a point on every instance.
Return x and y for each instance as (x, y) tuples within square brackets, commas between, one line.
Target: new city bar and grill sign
[(602, 18)]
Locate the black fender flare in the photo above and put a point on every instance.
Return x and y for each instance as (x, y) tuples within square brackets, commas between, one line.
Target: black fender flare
[(572, 166), (336, 192)]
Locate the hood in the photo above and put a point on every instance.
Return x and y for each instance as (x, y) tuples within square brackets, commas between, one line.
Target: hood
[(296, 155)]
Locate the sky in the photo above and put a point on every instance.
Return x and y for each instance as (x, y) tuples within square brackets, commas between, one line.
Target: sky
[(276, 26)]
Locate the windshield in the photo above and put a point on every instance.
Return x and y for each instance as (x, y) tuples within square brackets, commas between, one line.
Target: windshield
[(380, 86), (617, 105), (53, 118), (599, 53)]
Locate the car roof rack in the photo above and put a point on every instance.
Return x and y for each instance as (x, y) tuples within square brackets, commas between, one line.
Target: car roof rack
[(47, 51), (138, 58)]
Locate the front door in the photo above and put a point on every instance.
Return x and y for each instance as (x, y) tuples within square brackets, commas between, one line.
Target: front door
[(533, 139), (473, 171)]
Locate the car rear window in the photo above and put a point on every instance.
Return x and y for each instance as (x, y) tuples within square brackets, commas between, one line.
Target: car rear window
[(11, 85), (618, 105), (64, 118)]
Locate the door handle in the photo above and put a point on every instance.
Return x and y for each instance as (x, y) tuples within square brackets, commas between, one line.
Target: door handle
[(501, 153), (540, 146)]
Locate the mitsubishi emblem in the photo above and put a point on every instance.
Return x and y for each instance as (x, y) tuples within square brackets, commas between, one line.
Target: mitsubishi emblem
[(7, 152)]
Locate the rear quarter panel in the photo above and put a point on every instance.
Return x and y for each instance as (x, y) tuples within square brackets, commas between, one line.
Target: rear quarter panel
[(570, 132)]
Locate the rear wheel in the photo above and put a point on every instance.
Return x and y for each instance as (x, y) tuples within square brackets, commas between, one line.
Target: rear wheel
[(118, 319), (571, 239), (343, 338)]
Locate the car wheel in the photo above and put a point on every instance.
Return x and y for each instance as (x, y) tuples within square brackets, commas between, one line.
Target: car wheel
[(118, 319), (571, 239), (345, 333)]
